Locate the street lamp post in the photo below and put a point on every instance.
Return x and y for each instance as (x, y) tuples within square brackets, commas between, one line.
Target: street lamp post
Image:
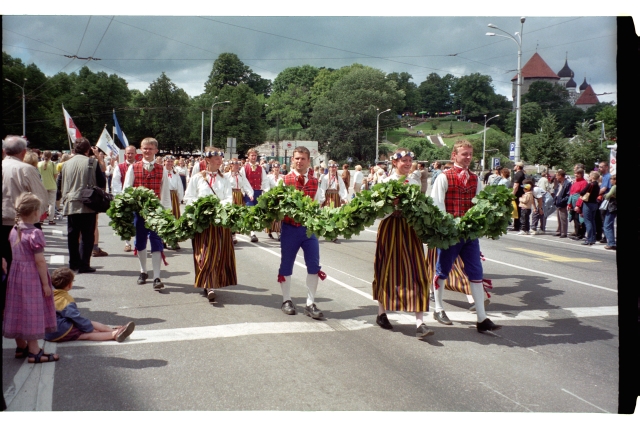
[(484, 140), (518, 41), (378, 131), (24, 114), (211, 129)]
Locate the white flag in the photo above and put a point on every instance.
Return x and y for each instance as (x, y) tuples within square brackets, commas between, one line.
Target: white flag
[(106, 144), (74, 132)]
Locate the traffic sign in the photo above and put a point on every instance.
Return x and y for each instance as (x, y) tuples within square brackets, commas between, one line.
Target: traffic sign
[(496, 162), (512, 150), (289, 145)]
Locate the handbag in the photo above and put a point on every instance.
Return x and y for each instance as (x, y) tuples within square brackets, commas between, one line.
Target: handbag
[(604, 206), (585, 197), (93, 196)]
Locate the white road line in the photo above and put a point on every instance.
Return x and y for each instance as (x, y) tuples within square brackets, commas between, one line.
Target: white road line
[(506, 397), (42, 373), (56, 259), (586, 401), (552, 275), (554, 240)]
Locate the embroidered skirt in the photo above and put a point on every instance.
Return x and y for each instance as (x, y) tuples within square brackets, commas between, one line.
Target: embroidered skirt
[(400, 279), (237, 197), (175, 204), (332, 199), (214, 258)]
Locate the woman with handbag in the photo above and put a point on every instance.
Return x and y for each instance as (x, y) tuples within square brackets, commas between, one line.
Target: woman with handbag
[(589, 207)]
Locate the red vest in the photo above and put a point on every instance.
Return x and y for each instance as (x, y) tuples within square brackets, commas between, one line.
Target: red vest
[(254, 177), (124, 167), (458, 198), (309, 189), (151, 180)]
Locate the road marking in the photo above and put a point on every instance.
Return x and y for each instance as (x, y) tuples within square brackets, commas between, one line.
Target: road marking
[(42, 373), (506, 397), (585, 401), (57, 232), (552, 275), (56, 259), (551, 257)]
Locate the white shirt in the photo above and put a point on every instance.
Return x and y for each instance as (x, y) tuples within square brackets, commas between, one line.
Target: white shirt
[(357, 178), (327, 182), (213, 184), (180, 170), (264, 185), (238, 180), (165, 195), (175, 183), (439, 191), (273, 182), (397, 177), (116, 179)]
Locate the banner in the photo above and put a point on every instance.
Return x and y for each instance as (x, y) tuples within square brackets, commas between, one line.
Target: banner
[(119, 133), (72, 130), (106, 144)]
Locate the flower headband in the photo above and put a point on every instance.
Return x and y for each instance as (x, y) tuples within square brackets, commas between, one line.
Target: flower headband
[(212, 154), (402, 154), (333, 165), (235, 162)]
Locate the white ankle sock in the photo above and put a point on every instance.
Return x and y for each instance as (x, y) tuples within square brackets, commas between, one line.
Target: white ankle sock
[(286, 289), (477, 291), (312, 286), (380, 308), (156, 260), (142, 258), (438, 294), (419, 319)]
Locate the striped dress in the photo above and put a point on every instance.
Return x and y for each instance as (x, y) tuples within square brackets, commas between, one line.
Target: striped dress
[(400, 279), (457, 280)]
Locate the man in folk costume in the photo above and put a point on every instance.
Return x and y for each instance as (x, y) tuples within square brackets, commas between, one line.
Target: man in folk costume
[(213, 255), (152, 175), (294, 237), (117, 179), (176, 189), (240, 187), (257, 177), (400, 281), (334, 189), (452, 192)]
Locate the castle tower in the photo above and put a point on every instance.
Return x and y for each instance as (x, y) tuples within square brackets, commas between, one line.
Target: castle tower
[(536, 69)]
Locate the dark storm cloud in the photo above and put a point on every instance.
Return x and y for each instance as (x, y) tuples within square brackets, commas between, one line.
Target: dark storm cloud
[(139, 48)]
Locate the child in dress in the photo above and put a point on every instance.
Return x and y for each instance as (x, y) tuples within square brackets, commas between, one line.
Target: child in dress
[(73, 326), (29, 312)]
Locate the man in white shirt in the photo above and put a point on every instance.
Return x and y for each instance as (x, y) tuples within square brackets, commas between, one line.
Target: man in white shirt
[(257, 177), (117, 179), (153, 176)]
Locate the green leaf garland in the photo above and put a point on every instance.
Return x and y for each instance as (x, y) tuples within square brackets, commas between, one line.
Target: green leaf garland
[(489, 216)]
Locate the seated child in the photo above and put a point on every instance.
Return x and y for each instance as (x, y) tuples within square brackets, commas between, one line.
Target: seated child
[(72, 326)]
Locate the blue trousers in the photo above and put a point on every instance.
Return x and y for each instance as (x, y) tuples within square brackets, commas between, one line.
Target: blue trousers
[(292, 239), (469, 252), (589, 211), (607, 227), (142, 233), (256, 194)]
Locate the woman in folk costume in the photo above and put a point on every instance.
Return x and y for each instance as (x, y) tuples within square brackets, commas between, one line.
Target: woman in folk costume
[(176, 190), (275, 178), (240, 187), (400, 281), (334, 190), (214, 258)]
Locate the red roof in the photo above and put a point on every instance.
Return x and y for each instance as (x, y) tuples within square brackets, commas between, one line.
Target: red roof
[(588, 97), (536, 67)]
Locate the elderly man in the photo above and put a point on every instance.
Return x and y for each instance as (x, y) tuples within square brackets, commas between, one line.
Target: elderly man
[(17, 177), (81, 220)]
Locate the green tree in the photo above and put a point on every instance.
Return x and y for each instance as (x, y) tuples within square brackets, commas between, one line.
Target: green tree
[(344, 118), (549, 96), (301, 76), (547, 146), (229, 70), (412, 95), (475, 95), (435, 93), (609, 115), (529, 118), (242, 119), (585, 147)]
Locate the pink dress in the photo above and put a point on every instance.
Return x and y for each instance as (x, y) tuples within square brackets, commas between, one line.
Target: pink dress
[(28, 313)]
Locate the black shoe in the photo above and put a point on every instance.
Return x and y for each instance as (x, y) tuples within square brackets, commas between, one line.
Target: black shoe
[(603, 240), (157, 284), (86, 270), (487, 325), (442, 318), (313, 312), (270, 235), (423, 331), (563, 236), (288, 308), (576, 238), (142, 279), (588, 243), (610, 247), (383, 322), (211, 295), (254, 239)]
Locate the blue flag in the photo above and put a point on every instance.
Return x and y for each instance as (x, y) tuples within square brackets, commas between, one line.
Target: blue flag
[(119, 133)]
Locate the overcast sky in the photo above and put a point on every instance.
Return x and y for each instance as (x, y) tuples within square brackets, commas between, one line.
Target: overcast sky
[(139, 48)]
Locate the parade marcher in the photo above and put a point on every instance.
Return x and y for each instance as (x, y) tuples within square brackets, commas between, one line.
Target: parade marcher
[(175, 189), (275, 178), (453, 192), (240, 187), (214, 258), (400, 281), (181, 168), (334, 192), (117, 179), (257, 177), (152, 175), (294, 237), (346, 177)]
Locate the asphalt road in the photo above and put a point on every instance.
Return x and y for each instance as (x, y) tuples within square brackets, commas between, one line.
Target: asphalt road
[(557, 352)]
